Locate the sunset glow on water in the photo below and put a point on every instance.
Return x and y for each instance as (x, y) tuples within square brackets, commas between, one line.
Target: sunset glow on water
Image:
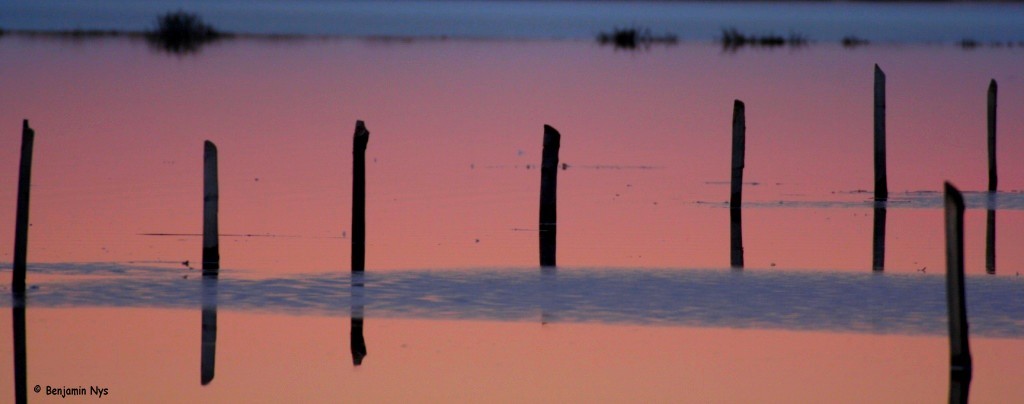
[(455, 131), (643, 305)]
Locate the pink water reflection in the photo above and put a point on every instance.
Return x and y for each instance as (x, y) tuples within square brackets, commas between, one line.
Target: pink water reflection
[(454, 125), (153, 356)]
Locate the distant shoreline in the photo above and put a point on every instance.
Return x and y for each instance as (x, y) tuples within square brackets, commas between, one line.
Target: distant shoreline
[(753, 41), (617, 23)]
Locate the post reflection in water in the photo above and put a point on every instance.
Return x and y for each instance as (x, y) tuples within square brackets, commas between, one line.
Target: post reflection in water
[(20, 357), (208, 350), (990, 241), (549, 294), (878, 239), (736, 238), (959, 386), (356, 340)]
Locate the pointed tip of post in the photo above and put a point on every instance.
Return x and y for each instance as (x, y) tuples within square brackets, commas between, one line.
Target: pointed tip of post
[(877, 69), (953, 195), (738, 105), (209, 145)]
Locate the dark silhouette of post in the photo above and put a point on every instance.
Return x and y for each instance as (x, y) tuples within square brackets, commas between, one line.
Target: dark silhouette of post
[(739, 142), (881, 183), (359, 141), (21, 222), (960, 352), (990, 241), (959, 387), (739, 145), (211, 199), (878, 239), (993, 178), (20, 355), (548, 196), (208, 349), (736, 238), (357, 343)]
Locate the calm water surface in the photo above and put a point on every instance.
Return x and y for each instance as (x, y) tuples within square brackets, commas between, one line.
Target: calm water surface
[(456, 130)]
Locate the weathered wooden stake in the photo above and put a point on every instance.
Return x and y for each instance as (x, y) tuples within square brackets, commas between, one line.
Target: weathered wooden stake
[(881, 183), (359, 141), (960, 353), (548, 196), (208, 349), (739, 145), (878, 240), (993, 178), (211, 198), (21, 222)]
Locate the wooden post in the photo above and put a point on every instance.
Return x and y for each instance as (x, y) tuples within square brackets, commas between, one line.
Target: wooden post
[(881, 183), (878, 239), (739, 145), (211, 198), (208, 349), (960, 353), (993, 178), (548, 196), (359, 141), (21, 222), (739, 141)]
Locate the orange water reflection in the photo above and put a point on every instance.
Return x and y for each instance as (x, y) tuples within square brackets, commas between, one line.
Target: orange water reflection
[(154, 356), (455, 124)]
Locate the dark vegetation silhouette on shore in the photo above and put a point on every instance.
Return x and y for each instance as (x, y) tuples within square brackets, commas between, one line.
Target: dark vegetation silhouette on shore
[(634, 38), (182, 32), (852, 41), (732, 39)]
